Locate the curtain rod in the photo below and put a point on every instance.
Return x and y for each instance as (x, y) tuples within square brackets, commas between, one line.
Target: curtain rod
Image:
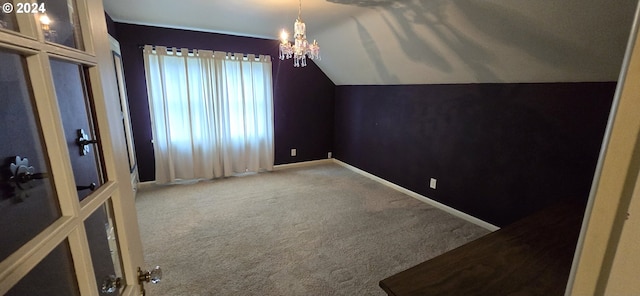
[(154, 47), (193, 50)]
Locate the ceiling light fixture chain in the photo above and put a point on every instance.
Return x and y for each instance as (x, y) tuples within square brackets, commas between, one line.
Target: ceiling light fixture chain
[(300, 49)]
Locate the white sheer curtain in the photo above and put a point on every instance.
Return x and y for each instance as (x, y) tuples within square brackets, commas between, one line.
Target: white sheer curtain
[(211, 113)]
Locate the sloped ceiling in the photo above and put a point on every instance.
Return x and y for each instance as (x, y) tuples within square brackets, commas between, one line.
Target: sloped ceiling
[(423, 41)]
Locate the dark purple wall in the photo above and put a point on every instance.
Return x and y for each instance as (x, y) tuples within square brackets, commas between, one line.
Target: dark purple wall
[(498, 151), (303, 97)]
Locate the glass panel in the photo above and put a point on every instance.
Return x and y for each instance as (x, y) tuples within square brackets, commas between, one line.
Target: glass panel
[(60, 24), (103, 245), (8, 19), (54, 275), (28, 201), (77, 119)]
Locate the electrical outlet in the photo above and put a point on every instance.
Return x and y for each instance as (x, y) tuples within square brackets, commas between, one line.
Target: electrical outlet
[(294, 152), (329, 155), (432, 183)]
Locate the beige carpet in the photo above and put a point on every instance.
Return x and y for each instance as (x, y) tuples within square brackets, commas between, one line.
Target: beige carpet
[(319, 230)]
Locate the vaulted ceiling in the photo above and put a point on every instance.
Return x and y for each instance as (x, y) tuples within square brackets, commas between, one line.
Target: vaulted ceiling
[(423, 41)]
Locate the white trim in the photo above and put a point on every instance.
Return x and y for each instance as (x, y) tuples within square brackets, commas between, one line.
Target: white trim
[(146, 184), (149, 184), (422, 198), (301, 164)]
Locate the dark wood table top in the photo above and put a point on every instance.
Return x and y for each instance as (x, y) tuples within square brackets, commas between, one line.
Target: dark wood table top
[(530, 257)]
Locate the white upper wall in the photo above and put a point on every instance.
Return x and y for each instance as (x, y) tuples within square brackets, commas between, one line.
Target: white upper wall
[(424, 41)]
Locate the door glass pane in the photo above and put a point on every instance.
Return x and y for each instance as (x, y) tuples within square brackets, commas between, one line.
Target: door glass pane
[(76, 110), (61, 24), (54, 275), (8, 20), (105, 254), (28, 202)]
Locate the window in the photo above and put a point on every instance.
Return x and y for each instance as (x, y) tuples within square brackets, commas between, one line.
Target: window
[(212, 113)]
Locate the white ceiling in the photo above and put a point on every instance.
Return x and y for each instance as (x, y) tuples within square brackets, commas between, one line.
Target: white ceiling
[(423, 41)]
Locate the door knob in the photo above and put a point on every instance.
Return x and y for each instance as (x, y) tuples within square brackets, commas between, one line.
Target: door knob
[(153, 276), (111, 284), (150, 276)]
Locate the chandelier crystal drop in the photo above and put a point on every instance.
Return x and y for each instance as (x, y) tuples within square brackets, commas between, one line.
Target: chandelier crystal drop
[(300, 49)]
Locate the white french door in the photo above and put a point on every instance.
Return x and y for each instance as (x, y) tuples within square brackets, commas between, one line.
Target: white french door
[(68, 224)]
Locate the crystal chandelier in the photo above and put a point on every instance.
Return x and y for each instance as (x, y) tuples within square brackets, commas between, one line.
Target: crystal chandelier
[(300, 49)]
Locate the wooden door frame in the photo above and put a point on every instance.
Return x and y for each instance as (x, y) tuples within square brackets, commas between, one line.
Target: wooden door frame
[(614, 181), (126, 114)]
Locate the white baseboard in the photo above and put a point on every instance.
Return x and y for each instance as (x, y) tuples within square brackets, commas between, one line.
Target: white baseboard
[(301, 164), (422, 198), (146, 184)]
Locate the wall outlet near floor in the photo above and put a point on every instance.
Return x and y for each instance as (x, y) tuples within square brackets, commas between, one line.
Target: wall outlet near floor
[(329, 155), (432, 183), (294, 152)]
